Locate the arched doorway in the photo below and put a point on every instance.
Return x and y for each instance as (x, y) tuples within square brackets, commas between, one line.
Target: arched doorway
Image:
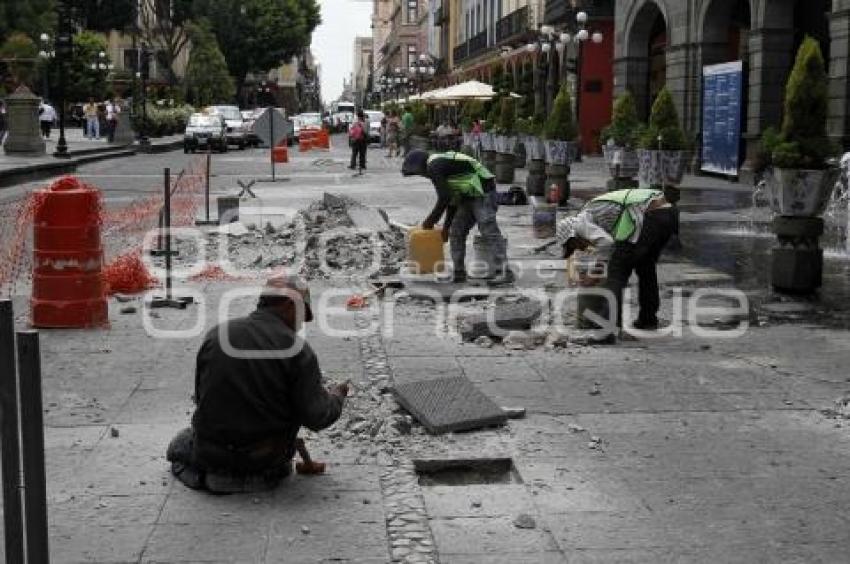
[(725, 31), (646, 55), (811, 18)]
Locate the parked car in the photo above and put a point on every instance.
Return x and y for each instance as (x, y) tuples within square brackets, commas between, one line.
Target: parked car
[(205, 132), (250, 117), (236, 132)]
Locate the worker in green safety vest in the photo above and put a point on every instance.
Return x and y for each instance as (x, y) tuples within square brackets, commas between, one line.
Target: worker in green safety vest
[(636, 224), (466, 194)]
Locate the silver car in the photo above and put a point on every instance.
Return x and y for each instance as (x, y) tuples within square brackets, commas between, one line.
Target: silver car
[(205, 132), (236, 132)]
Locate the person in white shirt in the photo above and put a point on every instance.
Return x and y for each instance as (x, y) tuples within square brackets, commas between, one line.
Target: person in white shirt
[(113, 108), (46, 117)]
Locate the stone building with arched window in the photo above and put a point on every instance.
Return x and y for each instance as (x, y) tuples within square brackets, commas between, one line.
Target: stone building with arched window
[(669, 42)]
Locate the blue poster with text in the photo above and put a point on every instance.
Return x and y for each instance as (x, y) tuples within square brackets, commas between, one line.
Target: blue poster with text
[(722, 96)]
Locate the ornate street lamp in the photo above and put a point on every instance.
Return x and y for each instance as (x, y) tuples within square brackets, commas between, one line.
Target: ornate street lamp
[(46, 54), (64, 49), (144, 74), (422, 69)]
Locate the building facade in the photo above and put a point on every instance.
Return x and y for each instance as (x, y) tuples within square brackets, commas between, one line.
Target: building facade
[(667, 42), (361, 76)]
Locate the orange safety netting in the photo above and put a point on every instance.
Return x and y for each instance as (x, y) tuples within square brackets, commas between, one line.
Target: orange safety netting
[(127, 274)]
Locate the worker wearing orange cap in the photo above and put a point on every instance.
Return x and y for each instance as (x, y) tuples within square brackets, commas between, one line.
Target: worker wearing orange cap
[(256, 384)]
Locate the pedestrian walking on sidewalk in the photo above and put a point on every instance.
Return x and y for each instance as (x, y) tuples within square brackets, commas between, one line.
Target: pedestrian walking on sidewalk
[(635, 224), (466, 194), (46, 118), (2, 122), (113, 108), (393, 131), (256, 384), (91, 114), (359, 142)]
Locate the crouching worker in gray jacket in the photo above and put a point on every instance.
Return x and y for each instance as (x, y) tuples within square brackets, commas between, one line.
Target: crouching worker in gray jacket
[(256, 384)]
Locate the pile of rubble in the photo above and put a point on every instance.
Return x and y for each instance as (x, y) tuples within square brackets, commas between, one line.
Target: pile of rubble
[(334, 237)]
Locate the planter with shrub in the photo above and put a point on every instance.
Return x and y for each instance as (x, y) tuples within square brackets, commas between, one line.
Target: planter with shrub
[(619, 143), (505, 142), (420, 137), (663, 153), (803, 176), (560, 145)]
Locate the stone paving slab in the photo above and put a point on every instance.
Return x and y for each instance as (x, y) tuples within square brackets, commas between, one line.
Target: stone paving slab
[(448, 404)]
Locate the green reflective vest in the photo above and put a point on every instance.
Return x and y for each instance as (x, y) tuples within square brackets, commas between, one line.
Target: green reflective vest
[(625, 225), (468, 184)]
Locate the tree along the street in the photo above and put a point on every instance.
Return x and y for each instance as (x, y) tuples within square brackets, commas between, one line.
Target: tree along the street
[(19, 54), (259, 35), (31, 17), (208, 79), (167, 31)]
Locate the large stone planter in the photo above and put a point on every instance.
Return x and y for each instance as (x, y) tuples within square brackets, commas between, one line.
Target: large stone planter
[(798, 197), (559, 155), (504, 166), (23, 132), (661, 168), (801, 193), (520, 154), (622, 164), (535, 181)]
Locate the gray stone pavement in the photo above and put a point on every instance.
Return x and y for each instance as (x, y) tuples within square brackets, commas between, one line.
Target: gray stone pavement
[(677, 449)]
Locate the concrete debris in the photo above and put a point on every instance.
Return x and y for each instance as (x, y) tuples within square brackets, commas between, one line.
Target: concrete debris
[(514, 412), (503, 318), (840, 410), (525, 521), (476, 503), (595, 391), (595, 443), (305, 530), (573, 428), (522, 340), (113, 432), (484, 341)]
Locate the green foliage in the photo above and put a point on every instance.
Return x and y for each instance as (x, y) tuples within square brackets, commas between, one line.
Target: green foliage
[(421, 119), (625, 125), (21, 54), (507, 117), (82, 81), (30, 17), (803, 142), (494, 113), (207, 75), (664, 123), (270, 31), (560, 125), (524, 126), (163, 120), (470, 111), (97, 15)]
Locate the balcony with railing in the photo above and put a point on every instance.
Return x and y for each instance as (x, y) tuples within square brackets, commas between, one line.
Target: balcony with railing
[(513, 26), (478, 44), (460, 52)]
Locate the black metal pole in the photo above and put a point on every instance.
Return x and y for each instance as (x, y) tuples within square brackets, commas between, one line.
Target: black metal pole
[(271, 138), (63, 49), (167, 222), (32, 440), (207, 186), (11, 447)]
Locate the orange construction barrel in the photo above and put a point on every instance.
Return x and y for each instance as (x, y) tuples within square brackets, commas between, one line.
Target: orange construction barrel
[(324, 140), (280, 154), (67, 282)]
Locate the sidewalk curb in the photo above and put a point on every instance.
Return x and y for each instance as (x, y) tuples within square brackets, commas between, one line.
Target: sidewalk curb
[(30, 173)]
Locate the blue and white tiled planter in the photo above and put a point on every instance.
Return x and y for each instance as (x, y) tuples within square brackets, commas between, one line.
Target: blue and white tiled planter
[(800, 192), (657, 168), (534, 149), (560, 152), (488, 142), (505, 144)]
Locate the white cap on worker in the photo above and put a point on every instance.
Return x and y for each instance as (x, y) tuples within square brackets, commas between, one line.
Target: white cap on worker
[(291, 286)]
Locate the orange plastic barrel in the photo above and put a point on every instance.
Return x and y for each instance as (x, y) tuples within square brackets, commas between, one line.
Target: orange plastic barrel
[(280, 154), (67, 287), (324, 140), (306, 140)]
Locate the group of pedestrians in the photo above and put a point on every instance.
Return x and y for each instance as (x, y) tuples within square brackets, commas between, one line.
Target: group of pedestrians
[(95, 113)]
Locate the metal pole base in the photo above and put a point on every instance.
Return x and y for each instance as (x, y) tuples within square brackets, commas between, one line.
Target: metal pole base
[(163, 252), (174, 303), (203, 222)]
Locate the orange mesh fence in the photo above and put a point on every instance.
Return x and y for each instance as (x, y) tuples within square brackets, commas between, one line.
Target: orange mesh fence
[(123, 231)]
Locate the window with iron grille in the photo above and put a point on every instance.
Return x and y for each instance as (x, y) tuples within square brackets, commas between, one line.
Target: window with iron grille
[(412, 11)]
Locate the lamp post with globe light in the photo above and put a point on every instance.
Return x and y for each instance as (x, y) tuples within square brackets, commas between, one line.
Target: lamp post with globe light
[(421, 70), (64, 49), (46, 54)]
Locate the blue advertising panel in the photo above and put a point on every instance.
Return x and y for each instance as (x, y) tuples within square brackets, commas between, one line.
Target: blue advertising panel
[(722, 96)]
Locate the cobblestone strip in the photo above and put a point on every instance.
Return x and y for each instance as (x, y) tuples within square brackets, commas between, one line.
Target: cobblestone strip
[(411, 540)]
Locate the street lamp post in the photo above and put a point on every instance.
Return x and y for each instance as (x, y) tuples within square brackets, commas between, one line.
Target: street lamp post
[(144, 74), (46, 54), (64, 49), (422, 69)]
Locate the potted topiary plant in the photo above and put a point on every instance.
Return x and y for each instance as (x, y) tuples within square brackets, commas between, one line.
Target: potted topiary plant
[(619, 141), (559, 144), (662, 153), (803, 175), (505, 142), (421, 134), (488, 136), (803, 178), (535, 182)]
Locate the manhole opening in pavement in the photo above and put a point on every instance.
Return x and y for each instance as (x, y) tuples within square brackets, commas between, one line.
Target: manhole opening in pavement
[(466, 472)]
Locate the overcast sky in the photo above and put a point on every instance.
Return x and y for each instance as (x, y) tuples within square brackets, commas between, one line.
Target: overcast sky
[(333, 40)]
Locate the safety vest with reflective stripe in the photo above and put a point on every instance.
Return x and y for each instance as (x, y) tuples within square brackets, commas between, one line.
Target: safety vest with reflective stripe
[(468, 184), (625, 225)]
